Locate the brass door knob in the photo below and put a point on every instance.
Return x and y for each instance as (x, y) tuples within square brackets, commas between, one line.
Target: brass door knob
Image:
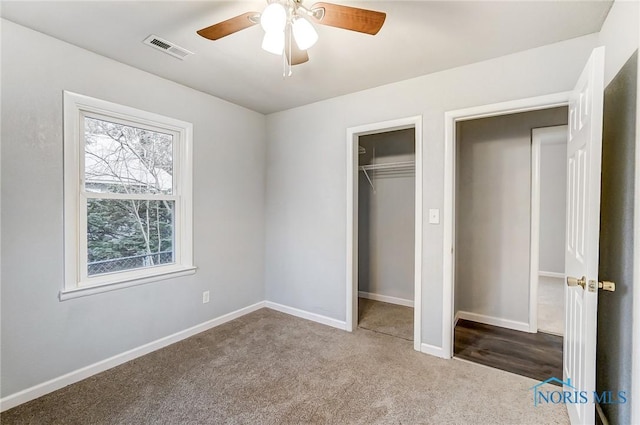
[(574, 281)]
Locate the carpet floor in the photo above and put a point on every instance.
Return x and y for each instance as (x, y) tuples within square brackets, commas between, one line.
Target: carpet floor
[(271, 368), (389, 319)]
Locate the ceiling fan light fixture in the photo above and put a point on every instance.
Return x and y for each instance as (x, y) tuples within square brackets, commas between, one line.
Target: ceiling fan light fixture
[(304, 33), (273, 18), (273, 42)]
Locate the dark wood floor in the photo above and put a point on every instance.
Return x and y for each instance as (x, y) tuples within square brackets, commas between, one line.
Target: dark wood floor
[(538, 356)]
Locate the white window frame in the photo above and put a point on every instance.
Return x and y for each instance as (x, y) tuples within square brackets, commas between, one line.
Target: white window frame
[(76, 281)]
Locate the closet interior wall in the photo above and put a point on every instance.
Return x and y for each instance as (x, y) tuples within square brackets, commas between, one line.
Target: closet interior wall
[(386, 225)]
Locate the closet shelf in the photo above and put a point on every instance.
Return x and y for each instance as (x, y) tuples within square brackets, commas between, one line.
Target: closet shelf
[(388, 169), (391, 166)]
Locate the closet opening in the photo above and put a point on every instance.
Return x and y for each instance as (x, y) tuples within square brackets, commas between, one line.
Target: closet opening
[(509, 238), (384, 212), (386, 208)]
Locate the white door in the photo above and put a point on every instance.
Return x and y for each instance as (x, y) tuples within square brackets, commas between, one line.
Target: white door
[(584, 151)]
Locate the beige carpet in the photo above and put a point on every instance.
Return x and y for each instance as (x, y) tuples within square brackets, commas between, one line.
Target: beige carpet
[(551, 305), (389, 319), (271, 368)]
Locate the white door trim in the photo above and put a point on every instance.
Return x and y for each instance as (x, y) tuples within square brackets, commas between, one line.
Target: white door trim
[(534, 239), (538, 138), (352, 217), (450, 120)]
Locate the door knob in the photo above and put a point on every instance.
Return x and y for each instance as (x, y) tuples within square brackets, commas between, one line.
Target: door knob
[(574, 281)]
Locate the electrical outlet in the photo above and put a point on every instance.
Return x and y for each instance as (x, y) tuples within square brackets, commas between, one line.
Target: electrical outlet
[(205, 297)]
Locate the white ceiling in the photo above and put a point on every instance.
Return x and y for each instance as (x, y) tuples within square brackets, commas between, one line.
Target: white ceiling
[(418, 37)]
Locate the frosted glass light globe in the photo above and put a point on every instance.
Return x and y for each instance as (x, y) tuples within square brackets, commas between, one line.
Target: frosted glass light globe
[(273, 18), (304, 33), (273, 42)]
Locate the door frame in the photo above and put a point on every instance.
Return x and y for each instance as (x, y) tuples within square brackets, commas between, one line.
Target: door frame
[(353, 133), (451, 118), (537, 140)]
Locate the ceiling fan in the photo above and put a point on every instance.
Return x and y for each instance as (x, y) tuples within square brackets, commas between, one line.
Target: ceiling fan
[(288, 28)]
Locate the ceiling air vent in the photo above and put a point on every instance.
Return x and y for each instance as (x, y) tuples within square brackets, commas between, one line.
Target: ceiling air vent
[(167, 47)]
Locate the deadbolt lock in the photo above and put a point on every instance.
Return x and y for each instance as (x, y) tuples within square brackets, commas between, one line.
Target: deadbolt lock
[(573, 281), (604, 285), (607, 286)]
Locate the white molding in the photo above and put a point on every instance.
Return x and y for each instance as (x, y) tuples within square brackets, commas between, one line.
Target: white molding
[(511, 107), (494, 321), (161, 273), (551, 274), (448, 222), (434, 351), (417, 291), (303, 314), (385, 299), (456, 318), (352, 230), (534, 236), (78, 375), (450, 120), (353, 133)]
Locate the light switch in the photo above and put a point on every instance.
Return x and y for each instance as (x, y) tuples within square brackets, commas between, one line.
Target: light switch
[(434, 216)]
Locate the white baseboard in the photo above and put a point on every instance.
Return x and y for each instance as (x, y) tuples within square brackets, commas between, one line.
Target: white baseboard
[(495, 321), (72, 377), (385, 299), (434, 351), (551, 274), (307, 315), (456, 318)]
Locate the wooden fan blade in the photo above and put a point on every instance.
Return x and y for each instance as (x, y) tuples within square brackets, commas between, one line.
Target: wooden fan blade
[(349, 18), (224, 28), (297, 56)]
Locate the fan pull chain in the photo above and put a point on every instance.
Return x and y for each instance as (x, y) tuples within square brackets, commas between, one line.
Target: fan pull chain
[(290, 54), (284, 64)]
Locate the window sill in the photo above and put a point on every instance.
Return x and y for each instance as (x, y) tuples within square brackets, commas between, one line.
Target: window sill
[(120, 283)]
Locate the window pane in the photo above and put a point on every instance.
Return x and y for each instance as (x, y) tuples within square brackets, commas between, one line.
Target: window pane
[(125, 159), (129, 234)]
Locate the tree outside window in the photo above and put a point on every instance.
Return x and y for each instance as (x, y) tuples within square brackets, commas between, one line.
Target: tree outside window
[(127, 233)]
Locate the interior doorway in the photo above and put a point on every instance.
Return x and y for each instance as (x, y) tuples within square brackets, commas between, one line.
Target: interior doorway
[(384, 165), (498, 238), (386, 232)]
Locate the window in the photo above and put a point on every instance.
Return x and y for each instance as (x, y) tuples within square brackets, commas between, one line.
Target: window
[(128, 217)]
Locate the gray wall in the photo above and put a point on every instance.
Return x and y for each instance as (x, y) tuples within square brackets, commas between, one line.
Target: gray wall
[(386, 218), (43, 338), (306, 218), (615, 309), (553, 182), (493, 213)]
